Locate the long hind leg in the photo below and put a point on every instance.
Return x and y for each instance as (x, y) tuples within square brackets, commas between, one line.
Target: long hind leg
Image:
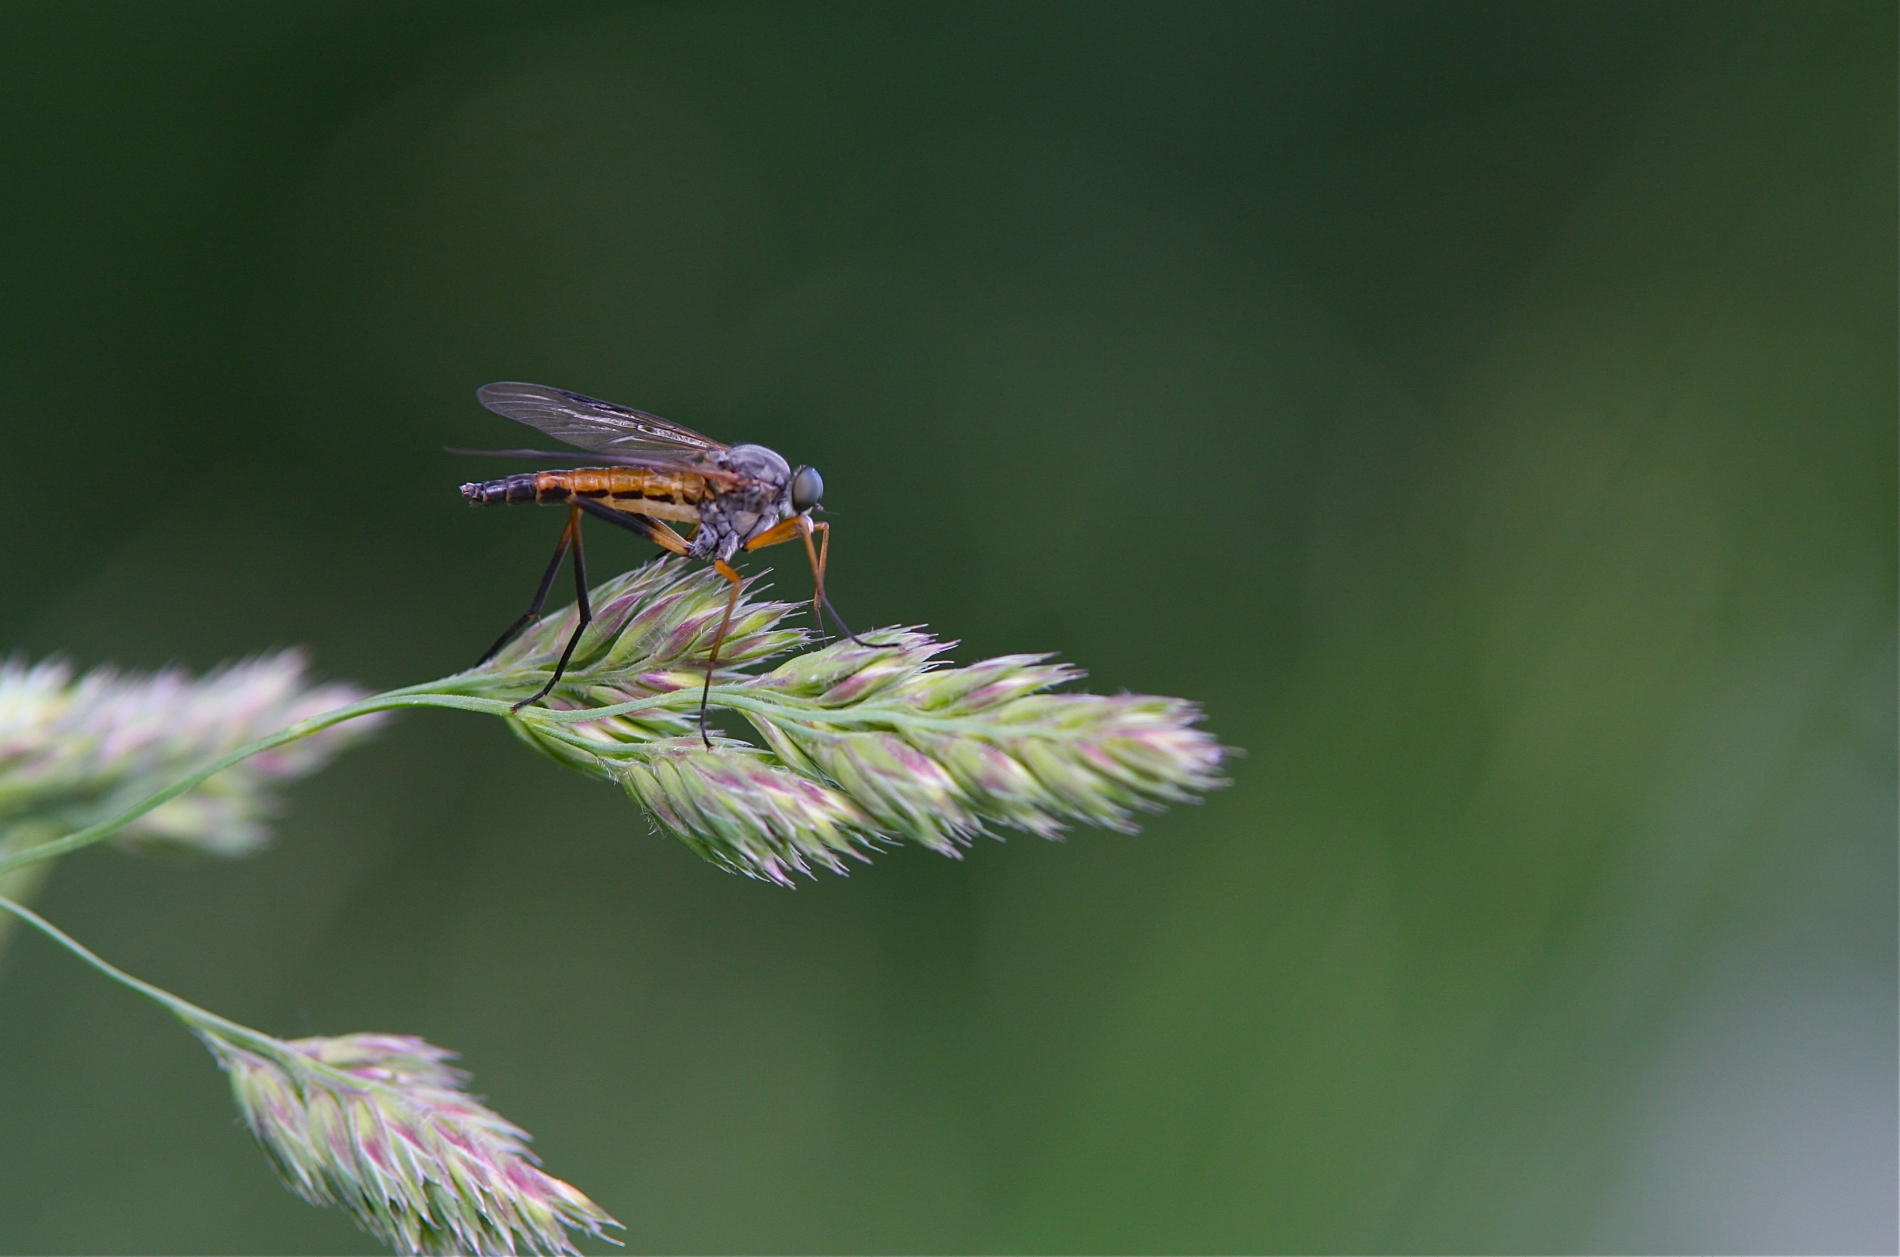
[(663, 536), (581, 603), (533, 613)]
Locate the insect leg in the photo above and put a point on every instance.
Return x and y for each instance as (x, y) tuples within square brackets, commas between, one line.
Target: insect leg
[(533, 612), (653, 530), (801, 526), (712, 659), (660, 534), (784, 530), (580, 599), (818, 559), (819, 597)]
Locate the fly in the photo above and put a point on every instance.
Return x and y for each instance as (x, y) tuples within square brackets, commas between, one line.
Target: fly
[(653, 474)]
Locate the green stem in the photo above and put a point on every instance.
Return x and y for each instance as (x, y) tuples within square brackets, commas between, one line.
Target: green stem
[(451, 692), (791, 713), (184, 1010), (202, 1021), (427, 695), (672, 700)]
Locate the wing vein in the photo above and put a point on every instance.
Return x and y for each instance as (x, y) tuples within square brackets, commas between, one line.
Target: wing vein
[(591, 424)]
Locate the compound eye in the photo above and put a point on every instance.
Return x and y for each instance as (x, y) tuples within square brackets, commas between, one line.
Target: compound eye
[(807, 487)]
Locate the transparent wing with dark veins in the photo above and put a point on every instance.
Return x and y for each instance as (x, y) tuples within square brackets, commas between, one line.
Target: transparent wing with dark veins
[(591, 424)]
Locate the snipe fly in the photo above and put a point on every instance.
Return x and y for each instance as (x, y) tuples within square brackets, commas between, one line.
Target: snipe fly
[(651, 474)]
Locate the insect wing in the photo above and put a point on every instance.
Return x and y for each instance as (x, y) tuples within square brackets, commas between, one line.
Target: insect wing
[(646, 462), (591, 424)]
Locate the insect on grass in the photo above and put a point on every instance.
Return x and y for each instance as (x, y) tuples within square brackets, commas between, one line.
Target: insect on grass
[(652, 474)]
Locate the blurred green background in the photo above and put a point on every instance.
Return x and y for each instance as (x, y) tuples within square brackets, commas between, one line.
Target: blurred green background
[(1487, 410)]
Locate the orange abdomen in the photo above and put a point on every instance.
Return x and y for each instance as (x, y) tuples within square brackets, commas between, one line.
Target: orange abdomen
[(657, 494)]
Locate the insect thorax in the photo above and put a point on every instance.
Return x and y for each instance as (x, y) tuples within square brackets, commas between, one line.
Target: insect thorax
[(736, 516)]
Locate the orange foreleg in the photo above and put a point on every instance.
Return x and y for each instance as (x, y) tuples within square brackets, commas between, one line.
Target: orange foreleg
[(819, 561), (785, 530)]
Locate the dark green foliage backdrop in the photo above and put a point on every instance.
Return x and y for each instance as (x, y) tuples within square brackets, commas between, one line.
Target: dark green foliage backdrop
[(1488, 411)]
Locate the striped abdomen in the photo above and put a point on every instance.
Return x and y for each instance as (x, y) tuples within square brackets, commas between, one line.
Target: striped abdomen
[(658, 494)]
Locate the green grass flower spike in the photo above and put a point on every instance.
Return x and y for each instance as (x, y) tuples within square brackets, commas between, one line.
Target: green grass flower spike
[(851, 748)]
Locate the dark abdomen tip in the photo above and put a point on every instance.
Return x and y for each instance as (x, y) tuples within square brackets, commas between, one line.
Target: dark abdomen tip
[(513, 489)]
